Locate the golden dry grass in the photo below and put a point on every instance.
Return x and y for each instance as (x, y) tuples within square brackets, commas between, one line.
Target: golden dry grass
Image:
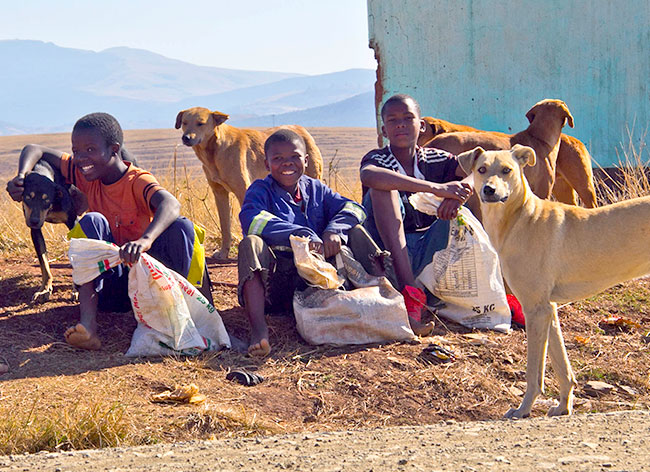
[(630, 179)]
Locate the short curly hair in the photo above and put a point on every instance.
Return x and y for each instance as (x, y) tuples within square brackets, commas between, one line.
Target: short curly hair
[(400, 98), (285, 136), (106, 124)]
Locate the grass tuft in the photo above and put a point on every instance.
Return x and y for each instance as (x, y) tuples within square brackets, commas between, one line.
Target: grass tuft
[(76, 426)]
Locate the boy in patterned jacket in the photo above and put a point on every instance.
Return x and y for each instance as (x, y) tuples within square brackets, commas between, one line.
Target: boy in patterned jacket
[(286, 203), (389, 176)]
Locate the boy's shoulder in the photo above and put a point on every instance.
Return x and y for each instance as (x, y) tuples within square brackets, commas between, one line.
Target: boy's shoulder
[(310, 181), (381, 157), (437, 165), (268, 186), (379, 152), (433, 155), (135, 174)]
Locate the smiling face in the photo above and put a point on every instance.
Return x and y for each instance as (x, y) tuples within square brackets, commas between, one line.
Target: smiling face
[(402, 123), (286, 161), (92, 155)]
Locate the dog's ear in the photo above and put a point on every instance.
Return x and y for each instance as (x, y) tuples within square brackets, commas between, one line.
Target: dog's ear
[(524, 155), (179, 118), (219, 117), (569, 117), (468, 159), (531, 115)]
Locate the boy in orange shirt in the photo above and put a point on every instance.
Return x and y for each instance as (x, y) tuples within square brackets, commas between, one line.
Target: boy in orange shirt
[(127, 206)]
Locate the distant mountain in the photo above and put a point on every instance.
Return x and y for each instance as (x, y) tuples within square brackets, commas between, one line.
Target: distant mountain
[(46, 88), (358, 111), (289, 95), (117, 72), (143, 75)]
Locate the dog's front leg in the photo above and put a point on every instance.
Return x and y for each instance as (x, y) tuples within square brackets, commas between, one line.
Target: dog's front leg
[(538, 322), (222, 200), (45, 291), (562, 366)]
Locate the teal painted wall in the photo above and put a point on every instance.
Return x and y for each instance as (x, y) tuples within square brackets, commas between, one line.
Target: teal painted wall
[(485, 63)]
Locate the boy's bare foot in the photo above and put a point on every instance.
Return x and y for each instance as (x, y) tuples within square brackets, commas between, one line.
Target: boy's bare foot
[(79, 336), (260, 349), (421, 329)]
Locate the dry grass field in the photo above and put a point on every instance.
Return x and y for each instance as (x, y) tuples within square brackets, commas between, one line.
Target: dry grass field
[(55, 397)]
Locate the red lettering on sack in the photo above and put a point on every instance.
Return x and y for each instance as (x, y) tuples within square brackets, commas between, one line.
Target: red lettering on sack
[(153, 270)]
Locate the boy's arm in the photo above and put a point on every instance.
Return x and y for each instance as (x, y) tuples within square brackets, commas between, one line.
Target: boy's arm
[(342, 213), (256, 219), (373, 176), (29, 156), (166, 210), (449, 207)]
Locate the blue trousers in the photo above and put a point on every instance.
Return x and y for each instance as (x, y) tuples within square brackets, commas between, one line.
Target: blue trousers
[(421, 245)]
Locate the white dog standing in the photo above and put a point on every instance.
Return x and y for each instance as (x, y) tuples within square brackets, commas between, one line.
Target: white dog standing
[(553, 253)]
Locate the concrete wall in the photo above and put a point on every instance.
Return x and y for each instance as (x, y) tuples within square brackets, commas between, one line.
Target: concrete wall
[(484, 63)]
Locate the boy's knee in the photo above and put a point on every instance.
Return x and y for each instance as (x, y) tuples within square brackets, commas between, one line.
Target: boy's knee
[(254, 255), (92, 225), (251, 244), (358, 234), (181, 227)]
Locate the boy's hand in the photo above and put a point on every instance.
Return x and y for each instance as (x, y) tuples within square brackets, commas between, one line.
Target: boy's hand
[(15, 188), (315, 246), (448, 209), (331, 244), (131, 251), (460, 191)]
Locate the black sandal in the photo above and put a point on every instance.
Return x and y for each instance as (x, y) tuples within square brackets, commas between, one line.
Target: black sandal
[(244, 377)]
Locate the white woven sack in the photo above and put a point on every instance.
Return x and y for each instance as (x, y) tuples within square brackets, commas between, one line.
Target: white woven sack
[(172, 315), (374, 312), (466, 275)]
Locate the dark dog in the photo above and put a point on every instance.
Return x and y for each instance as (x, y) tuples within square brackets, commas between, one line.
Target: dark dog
[(46, 197)]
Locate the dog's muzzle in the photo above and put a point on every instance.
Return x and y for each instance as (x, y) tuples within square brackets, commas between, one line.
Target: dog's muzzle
[(188, 140), (489, 195), (34, 221)]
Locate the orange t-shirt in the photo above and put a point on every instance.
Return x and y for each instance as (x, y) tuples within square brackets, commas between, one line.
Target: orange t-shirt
[(125, 203)]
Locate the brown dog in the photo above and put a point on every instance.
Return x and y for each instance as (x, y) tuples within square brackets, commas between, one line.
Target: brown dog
[(573, 166), (232, 158)]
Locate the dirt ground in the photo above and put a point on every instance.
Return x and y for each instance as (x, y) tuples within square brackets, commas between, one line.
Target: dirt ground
[(306, 389), (595, 442)]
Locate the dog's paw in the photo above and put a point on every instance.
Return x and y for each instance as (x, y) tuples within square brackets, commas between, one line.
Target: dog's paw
[(516, 413), (221, 255), (42, 296), (559, 410)]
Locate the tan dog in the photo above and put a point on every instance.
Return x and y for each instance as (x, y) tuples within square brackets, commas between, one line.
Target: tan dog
[(551, 253), (572, 165), (233, 158)]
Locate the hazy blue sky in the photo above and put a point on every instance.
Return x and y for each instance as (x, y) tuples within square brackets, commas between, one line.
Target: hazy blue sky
[(308, 36)]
